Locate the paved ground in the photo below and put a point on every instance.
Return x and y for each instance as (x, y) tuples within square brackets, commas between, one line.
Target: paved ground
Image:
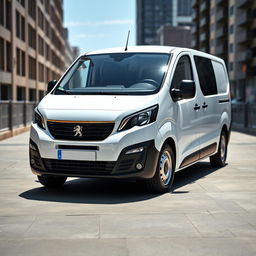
[(211, 211)]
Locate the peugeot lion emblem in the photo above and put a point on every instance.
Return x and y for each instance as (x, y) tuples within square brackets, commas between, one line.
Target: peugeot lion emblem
[(78, 130)]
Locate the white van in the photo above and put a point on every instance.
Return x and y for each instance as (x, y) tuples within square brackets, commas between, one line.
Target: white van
[(141, 113)]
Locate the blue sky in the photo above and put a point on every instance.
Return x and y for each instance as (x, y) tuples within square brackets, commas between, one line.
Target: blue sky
[(98, 24)]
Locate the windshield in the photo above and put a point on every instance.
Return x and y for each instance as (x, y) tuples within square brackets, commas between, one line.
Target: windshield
[(117, 73)]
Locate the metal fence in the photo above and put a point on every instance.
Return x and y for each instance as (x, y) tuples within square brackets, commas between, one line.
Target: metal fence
[(15, 114), (244, 115)]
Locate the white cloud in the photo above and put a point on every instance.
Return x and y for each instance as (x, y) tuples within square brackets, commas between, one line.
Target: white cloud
[(89, 35), (98, 23)]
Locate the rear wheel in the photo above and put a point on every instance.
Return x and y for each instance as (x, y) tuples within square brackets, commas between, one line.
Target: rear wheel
[(219, 159), (52, 181), (164, 174)]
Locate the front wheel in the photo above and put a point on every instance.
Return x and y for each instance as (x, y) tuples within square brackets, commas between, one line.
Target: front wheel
[(52, 181), (219, 159), (164, 174)]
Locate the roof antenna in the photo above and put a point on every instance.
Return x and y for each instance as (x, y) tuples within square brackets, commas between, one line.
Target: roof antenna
[(127, 41)]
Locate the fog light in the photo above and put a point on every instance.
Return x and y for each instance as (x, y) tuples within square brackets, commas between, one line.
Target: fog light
[(32, 161), (139, 166), (134, 150), (32, 146)]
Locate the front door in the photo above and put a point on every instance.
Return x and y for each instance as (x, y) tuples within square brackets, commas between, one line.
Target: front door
[(187, 115)]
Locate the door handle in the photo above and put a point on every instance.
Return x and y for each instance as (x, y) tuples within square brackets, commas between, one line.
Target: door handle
[(205, 105), (196, 107)]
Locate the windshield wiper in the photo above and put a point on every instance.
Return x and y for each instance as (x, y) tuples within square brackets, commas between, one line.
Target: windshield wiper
[(62, 90)]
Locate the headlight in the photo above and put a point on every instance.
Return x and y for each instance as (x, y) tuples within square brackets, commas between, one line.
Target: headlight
[(143, 117), (39, 120)]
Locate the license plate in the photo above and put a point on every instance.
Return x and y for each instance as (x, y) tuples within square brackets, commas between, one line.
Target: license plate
[(76, 155)]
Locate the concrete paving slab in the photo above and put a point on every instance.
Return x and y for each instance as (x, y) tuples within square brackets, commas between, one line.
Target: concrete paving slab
[(210, 212), (132, 226)]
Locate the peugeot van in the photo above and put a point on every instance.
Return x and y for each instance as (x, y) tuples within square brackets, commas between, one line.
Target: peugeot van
[(140, 113)]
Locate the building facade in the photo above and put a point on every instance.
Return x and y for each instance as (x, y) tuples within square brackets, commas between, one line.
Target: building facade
[(173, 36), (32, 43), (152, 14), (227, 28)]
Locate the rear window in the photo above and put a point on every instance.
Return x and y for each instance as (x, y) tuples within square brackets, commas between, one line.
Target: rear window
[(206, 75), (221, 77)]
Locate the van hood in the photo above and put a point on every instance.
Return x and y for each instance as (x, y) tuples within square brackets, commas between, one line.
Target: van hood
[(68, 107), (97, 102)]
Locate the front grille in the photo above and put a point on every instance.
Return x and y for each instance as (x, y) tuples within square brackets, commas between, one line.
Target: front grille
[(87, 131), (74, 167), (125, 165)]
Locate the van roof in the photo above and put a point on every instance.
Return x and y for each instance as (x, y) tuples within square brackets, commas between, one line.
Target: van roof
[(152, 49)]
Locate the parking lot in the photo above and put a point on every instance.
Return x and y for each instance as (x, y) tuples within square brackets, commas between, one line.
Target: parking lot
[(210, 212)]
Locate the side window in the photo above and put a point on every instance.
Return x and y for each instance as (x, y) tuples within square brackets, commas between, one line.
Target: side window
[(79, 78), (183, 71), (221, 77), (206, 75)]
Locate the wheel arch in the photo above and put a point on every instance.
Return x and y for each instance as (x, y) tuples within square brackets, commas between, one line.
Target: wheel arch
[(170, 141)]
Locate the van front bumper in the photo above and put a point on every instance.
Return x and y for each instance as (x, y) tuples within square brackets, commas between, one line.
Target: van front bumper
[(138, 165)]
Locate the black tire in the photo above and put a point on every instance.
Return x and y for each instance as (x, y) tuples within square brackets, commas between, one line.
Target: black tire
[(219, 159), (52, 181), (164, 174)]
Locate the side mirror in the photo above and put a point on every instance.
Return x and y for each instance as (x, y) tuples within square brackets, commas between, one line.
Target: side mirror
[(187, 90), (51, 85)]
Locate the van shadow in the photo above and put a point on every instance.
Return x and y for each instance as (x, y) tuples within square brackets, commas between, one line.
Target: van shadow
[(103, 191)]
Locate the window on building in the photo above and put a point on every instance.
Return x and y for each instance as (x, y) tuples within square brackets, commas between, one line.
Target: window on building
[(5, 13), (41, 45), (31, 37), (231, 48), (184, 8), (231, 10), (41, 72), (5, 55), (2, 14), (40, 19), (32, 94), (41, 94), (20, 26), (231, 29), (206, 75), (20, 60), (2, 53), (5, 92), (22, 2), (47, 6), (21, 93), (8, 57), (183, 71), (32, 8), (48, 75), (47, 28), (47, 51), (231, 66), (32, 68)]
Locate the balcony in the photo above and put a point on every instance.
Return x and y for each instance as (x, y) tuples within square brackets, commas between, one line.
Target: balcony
[(243, 56), (221, 32), (243, 18), (203, 22), (202, 37), (194, 15), (203, 6), (243, 37), (220, 14), (218, 2), (193, 30), (243, 3), (220, 49), (194, 3)]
